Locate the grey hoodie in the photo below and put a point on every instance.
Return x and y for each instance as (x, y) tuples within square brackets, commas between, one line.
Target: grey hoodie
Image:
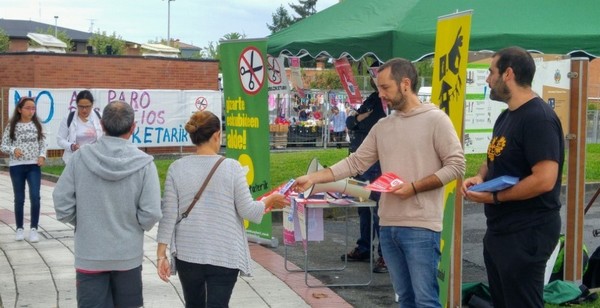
[(110, 192)]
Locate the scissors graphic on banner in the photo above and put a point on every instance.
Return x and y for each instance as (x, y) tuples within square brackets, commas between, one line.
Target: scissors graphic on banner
[(201, 103), (252, 70), (274, 70)]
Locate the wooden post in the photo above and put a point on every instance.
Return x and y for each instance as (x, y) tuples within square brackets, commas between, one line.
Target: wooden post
[(576, 141)]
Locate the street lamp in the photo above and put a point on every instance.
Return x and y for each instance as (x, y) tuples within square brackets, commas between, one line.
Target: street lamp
[(169, 23), (55, 26)]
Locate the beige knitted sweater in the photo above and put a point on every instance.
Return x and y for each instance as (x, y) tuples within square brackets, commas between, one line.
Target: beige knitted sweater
[(412, 145)]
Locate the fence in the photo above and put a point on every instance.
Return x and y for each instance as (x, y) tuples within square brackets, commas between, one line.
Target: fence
[(593, 126), (317, 136), (282, 136)]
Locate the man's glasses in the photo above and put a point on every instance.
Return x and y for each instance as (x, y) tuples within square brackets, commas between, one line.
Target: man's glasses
[(84, 107)]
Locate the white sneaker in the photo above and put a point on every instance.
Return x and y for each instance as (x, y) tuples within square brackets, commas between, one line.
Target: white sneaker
[(33, 236), (20, 235)]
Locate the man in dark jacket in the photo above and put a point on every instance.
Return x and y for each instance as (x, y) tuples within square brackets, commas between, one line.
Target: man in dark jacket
[(359, 124)]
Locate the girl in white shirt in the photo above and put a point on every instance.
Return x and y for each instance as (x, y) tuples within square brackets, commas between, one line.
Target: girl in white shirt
[(23, 139)]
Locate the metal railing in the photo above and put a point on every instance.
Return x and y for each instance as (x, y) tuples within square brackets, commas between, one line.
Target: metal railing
[(304, 136), (593, 126)]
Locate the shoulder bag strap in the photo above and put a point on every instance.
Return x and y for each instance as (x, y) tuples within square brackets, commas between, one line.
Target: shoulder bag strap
[(197, 196)]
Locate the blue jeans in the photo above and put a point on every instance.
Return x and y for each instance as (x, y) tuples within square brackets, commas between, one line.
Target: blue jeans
[(412, 256), (365, 241), (32, 174)]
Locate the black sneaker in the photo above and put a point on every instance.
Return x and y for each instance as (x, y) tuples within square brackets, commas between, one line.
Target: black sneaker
[(380, 266), (355, 255)]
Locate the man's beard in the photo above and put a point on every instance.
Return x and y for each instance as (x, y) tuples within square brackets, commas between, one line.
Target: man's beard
[(500, 92), (398, 102)]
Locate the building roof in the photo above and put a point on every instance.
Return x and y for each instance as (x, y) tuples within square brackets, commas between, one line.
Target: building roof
[(19, 29), (160, 50), (182, 45)]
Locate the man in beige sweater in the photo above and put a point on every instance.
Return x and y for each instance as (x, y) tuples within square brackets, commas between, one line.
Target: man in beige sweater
[(418, 143)]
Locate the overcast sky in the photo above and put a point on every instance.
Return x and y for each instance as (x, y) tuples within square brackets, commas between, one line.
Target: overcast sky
[(193, 22)]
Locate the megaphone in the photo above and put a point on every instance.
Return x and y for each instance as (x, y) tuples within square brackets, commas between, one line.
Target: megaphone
[(345, 186)]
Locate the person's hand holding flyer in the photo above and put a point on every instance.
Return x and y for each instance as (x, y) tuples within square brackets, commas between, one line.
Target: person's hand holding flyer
[(283, 189), (385, 183)]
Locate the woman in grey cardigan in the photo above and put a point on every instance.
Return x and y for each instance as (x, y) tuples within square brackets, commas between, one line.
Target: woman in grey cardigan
[(211, 242)]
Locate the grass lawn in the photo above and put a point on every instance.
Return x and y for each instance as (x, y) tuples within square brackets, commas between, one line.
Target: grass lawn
[(288, 165)]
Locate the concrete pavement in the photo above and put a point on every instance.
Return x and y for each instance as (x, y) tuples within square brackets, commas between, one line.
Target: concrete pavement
[(42, 274)]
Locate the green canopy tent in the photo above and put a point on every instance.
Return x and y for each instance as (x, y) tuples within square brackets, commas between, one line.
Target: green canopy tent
[(406, 28)]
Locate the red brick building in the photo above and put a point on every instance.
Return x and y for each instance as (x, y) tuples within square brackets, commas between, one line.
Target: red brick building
[(594, 81)]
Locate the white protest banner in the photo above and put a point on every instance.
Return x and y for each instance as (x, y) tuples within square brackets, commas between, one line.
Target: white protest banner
[(160, 114)]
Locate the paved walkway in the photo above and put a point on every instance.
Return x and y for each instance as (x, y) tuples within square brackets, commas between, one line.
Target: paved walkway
[(42, 274)]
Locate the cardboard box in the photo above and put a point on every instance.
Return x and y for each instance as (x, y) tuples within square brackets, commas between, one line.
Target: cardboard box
[(278, 128), (282, 128), (279, 139)]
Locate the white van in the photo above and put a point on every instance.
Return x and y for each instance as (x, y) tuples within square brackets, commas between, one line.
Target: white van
[(425, 94)]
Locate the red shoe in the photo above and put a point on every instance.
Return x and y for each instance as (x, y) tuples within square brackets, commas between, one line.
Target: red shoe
[(380, 266), (355, 255)]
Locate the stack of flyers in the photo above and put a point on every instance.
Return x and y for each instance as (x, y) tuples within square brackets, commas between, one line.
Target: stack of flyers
[(385, 182), (283, 189)]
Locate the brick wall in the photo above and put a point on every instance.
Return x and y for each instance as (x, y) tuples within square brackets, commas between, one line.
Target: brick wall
[(594, 80), (16, 45), (47, 70)]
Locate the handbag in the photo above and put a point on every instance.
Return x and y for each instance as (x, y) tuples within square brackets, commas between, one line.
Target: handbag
[(184, 215)]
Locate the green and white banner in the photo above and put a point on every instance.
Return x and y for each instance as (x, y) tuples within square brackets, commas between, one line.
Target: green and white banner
[(244, 68)]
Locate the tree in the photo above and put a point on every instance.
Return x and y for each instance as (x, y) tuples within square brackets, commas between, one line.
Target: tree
[(281, 20), (212, 50), (232, 36), (326, 80), (163, 41), (425, 69), (101, 42), (4, 41), (304, 9)]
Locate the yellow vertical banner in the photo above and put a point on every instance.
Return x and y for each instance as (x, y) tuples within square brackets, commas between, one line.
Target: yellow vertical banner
[(449, 93)]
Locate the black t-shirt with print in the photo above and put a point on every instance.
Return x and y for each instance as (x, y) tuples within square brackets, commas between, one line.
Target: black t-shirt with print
[(522, 138)]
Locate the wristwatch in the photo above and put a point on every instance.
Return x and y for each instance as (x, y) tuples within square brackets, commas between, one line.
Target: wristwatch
[(495, 197)]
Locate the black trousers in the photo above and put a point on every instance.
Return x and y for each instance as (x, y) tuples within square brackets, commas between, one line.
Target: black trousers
[(110, 289), (516, 263), (206, 285)]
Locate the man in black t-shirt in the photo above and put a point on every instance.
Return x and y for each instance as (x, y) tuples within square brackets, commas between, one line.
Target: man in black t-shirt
[(523, 221)]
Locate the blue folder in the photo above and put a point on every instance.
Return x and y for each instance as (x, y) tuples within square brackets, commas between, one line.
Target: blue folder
[(496, 184)]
